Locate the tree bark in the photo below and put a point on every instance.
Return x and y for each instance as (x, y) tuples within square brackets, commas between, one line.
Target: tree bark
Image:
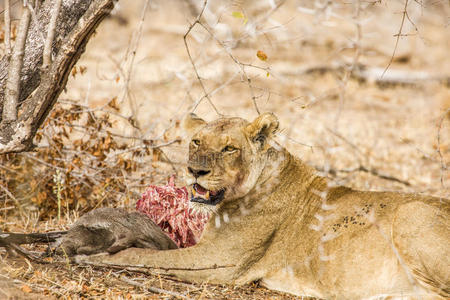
[(76, 22), (15, 66)]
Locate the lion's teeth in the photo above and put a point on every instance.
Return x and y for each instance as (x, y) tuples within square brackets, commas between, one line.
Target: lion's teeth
[(207, 195), (194, 193)]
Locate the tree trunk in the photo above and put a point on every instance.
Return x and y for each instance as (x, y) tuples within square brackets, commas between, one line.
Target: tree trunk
[(76, 22)]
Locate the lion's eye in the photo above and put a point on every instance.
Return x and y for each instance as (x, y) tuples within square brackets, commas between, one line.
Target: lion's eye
[(196, 142), (229, 149)]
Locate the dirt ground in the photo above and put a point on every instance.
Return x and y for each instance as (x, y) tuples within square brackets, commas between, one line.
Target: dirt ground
[(388, 132)]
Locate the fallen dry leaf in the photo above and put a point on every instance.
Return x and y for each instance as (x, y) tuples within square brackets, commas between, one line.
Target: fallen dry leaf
[(26, 288), (261, 55)]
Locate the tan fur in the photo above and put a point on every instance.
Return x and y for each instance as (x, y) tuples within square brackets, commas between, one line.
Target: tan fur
[(282, 224)]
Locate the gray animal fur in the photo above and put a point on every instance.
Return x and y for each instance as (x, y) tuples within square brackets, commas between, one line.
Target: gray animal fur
[(111, 230)]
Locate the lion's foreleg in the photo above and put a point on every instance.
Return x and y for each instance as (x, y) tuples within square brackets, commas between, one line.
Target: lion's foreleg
[(195, 264)]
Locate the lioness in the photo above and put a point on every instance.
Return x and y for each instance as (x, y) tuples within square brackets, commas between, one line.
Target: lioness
[(276, 221)]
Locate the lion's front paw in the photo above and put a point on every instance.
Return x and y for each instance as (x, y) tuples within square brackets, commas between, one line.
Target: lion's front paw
[(129, 257), (90, 259)]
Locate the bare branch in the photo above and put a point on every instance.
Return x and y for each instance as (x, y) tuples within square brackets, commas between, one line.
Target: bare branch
[(376, 173), (7, 29), (82, 262), (15, 66), (47, 56), (364, 169), (361, 168), (240, 64), (220, 87), (10, 195), (26, 254), (252, 93), (152, 289), (349, 71), (133, 47), (197, 21), (131, 149), (343, 138), (404, 13), (441, 158)]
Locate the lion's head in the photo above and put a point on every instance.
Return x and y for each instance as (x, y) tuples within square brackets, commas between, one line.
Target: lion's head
[(226, 157)]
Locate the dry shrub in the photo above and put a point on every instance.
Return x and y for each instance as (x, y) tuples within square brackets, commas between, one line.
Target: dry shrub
[(79, 164)]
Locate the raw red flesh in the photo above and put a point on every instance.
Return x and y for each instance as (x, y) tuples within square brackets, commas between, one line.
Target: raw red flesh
[(168, 207)]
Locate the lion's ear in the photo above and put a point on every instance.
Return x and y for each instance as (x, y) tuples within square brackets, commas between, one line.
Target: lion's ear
[(192, 123), (262, 127)]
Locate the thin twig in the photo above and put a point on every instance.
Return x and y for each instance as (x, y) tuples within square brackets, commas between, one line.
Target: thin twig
[(220, 87), (56, 284), (364, 169), (349, 71), (14, 70), (7, 29), (343, 138), (147, 147), (35, 286), (152, 289), (240, 64), (107, 131), (397, 38), (137, 38), (374, 172), (87, 109), (283, 136), (7, 192), (197, 21), (438, 150), (7, 208), (47, 56), (27, 254), (134, 267), (249, 81)]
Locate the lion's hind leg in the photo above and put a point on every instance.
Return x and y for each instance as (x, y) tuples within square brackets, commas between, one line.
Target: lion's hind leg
[(421, 235)]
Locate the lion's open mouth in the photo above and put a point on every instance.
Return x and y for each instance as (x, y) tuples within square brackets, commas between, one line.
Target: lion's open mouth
[(204, 196)]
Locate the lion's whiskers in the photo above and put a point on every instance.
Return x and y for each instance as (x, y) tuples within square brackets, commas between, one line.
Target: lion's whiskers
[(203, 208)]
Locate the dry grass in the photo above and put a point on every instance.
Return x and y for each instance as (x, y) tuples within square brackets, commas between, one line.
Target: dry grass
[(328, 118)]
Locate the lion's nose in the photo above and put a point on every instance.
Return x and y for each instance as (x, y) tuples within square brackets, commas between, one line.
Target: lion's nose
[(198, 173)]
